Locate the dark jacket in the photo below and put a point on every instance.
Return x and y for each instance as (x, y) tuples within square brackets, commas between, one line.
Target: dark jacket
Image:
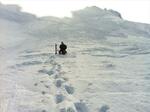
[(63, 47)]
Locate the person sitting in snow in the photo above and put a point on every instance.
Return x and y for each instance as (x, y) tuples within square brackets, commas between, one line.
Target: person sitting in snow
[(63, 48)]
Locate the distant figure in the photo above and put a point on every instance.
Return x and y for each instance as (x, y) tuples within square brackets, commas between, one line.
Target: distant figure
[(63, 48)]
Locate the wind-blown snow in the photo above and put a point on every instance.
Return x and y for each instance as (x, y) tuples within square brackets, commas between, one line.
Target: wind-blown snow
[(106, 68)]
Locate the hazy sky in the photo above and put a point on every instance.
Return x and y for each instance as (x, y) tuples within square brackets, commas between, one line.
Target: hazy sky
[(133, 10)]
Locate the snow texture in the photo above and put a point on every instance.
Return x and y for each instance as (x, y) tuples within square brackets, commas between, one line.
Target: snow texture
[(107, 68)]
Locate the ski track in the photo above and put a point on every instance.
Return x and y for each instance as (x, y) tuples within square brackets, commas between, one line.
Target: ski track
[(56, 85)]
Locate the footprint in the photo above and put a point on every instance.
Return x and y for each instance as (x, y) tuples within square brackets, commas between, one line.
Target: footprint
[(42, 81), (47, 86), (44, 111), (43, 92), (59, 98), (81, 107), (104, 108), (58, 83), (56, 76), (58, 68), (90, 84), (35, 84), (70, 109), (63, 110), (69, 89)]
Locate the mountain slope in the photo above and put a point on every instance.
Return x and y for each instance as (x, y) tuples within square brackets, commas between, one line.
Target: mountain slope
[(91, 22), (106, 68)]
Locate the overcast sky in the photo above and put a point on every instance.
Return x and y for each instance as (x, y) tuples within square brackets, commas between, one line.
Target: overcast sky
[(133, 10)]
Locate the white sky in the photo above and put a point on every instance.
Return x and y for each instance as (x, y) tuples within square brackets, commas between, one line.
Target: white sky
[(133, 10)]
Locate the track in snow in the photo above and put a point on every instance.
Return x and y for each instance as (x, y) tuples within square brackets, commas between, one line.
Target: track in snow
[(56, 85)]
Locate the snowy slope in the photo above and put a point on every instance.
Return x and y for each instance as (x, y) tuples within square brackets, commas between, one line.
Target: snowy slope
[(12, 21), (90, 22), (106, 68)]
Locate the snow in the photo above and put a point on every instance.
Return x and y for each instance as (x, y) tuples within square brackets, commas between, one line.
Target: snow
[(106, 68)]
